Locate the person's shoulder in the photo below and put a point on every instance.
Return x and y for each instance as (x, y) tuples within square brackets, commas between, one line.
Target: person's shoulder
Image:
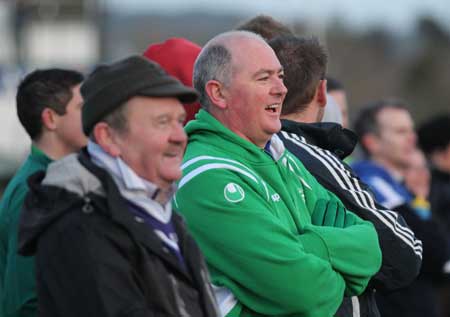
[(80, 217), (440, 176), (15, 191), (367, 167)]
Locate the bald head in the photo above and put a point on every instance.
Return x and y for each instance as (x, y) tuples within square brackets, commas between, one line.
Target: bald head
[(216, 60), (228, 38)]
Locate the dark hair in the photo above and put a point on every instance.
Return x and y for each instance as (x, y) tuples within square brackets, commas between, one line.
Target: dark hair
[(334, 84), (265, 26), (366, 120), (434, 134), (305, 62), (48, 88)]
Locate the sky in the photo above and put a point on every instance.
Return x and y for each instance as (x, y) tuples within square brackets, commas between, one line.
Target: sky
[(397, 15)]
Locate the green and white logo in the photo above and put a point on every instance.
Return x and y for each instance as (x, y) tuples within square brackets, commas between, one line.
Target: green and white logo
[(233, 193)]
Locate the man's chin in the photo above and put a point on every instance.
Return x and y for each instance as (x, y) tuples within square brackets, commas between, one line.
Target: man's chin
[(274, 129)]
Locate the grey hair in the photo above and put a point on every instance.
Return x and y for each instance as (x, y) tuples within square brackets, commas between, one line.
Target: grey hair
[(215, 63), (117, 120)]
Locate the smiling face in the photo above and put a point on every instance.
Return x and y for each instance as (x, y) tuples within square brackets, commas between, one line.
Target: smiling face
[(256, 91), (154, 141)]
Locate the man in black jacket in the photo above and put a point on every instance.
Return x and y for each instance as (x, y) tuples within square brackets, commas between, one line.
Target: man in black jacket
[(434, 139), (322, 147), (101, 223)]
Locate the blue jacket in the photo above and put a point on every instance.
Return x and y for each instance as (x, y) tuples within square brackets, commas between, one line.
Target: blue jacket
[(387, 190)]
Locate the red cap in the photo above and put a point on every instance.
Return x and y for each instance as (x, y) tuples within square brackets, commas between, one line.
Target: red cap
[(177, 57)]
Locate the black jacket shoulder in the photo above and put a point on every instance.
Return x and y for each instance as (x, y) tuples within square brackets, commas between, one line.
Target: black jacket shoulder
[(96, 258)]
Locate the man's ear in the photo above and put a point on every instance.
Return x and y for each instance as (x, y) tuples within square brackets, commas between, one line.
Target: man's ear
[(49, 118), (215, 91), (321, 93), (370, 142), (107, 138)]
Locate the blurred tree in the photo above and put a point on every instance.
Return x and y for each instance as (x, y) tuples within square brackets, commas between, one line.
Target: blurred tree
[(427, 75)]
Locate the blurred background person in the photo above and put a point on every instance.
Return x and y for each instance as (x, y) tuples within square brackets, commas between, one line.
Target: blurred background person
[(397, 174), (417, 181), (177, 56), (266, 26), (49, 108), (433, 280), (434, 140), (332, 112), (387, 138), (336, 90)]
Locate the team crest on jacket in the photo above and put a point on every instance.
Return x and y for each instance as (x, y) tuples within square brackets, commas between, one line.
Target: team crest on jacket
[(233, 193)]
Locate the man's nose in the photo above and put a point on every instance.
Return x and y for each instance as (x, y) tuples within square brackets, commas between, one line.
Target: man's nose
[(178, 133), (279, 87)]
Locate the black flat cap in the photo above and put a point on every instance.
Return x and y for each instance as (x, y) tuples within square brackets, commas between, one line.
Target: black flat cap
[(109, 86)]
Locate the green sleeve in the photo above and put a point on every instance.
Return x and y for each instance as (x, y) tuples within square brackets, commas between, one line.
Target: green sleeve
[(267, 266), (354, 250), (17, 272)]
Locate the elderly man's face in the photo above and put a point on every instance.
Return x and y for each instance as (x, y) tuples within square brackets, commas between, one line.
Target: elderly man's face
[(256, 91), (154, 141)]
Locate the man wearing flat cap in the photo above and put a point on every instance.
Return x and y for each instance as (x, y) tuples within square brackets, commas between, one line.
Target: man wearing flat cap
[(100, 222)]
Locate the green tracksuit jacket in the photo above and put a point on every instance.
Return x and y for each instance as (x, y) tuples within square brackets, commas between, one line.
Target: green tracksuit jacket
[(17, 279), (251, 214)]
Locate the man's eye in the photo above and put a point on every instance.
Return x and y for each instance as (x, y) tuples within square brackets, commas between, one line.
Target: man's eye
[(281, 76), (263, 78), (163, 122)]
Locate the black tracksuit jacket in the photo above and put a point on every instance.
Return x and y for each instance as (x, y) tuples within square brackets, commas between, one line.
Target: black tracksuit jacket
[(321, 147)]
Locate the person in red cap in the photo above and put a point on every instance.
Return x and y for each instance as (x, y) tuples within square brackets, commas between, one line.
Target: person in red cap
[(177, 56)]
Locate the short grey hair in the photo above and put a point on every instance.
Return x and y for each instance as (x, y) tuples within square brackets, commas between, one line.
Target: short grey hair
[(215, 63), (117, 120)]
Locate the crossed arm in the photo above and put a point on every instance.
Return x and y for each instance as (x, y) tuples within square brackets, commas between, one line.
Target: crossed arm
[(271, 264)]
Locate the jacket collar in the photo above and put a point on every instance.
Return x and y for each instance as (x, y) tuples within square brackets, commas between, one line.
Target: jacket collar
[(138, 230), (326, 135), (134, 188), (206, 124), (39, 156)]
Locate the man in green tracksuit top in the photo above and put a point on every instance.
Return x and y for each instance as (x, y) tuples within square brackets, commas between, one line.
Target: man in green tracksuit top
[(49, 108), (277, 243), (16, 272)]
